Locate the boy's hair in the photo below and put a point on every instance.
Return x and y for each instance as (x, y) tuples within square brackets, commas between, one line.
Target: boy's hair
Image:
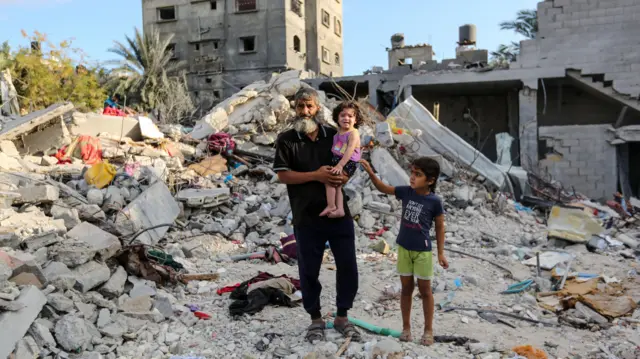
[(430, 168), (349, 105)]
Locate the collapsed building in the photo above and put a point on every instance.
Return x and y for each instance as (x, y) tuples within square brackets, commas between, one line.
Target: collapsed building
[(569, 104)]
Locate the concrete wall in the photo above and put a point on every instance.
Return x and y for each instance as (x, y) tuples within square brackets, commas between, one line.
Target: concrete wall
[(595, 36), (324, 36), (416, 54), (588, 160)]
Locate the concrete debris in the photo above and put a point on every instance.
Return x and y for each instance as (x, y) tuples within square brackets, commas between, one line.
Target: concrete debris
[(192, 211)]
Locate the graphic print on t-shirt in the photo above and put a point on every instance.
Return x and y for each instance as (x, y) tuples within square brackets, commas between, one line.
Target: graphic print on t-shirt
[(412, 214)]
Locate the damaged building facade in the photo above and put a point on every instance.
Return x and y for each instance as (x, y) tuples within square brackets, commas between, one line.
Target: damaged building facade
[(230, 44), (568, 107)]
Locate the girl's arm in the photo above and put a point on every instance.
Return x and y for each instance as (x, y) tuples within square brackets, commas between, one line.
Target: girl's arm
[(354, 142), (377, 182), (440, 234)]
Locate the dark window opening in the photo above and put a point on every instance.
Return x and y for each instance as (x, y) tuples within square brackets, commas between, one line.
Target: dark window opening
[(325, 55), (326, 19), (296, 7), (171, 49), (195, 93), (197, 47), (216, 44), (248, 44), (296, 44), (246, 5), (216, 94), (167, 13), (209, 80), (337, 58), (214, 5)]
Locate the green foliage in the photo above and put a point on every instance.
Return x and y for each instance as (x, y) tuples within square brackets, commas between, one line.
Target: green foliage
[(49, 76), (525, 24), (147, 72)]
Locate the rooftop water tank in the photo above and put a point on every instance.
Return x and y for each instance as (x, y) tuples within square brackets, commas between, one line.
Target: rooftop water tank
[(467, 35), (397, 41)]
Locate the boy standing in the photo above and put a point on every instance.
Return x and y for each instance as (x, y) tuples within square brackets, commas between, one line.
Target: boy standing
[(420, 208)]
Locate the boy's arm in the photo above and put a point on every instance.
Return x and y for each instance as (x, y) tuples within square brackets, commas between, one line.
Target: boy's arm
[(354, 142), (440, 234), (377, 182)]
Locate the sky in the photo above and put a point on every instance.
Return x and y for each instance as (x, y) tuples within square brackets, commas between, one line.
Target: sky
[(367, 28)]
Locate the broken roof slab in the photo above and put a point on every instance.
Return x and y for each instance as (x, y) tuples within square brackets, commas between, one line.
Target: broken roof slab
[(30, 122)]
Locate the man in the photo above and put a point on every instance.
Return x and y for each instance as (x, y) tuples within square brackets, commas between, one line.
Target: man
[(303, 156)]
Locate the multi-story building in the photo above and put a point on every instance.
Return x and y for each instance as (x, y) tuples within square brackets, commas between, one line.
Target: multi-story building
[(228, 44)]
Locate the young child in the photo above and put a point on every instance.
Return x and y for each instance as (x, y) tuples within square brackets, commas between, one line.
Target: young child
[(420, 207), (346, 153)]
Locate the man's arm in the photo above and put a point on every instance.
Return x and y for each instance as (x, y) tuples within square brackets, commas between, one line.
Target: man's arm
[(323, 174), (377, 182), (354, 142)]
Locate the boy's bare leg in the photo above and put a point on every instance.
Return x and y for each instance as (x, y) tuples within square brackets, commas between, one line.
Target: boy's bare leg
[(339, 212), (424, 286), (331, 200), (405, 306)]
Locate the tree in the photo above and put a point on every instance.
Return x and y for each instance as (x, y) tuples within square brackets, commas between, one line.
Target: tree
[(51, 74), (525, 24), (5, 55), (148, 73)]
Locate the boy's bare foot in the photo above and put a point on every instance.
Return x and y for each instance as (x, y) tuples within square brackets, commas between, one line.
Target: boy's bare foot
[(338, 213), (427, 339), (405, 336), (327, 211)]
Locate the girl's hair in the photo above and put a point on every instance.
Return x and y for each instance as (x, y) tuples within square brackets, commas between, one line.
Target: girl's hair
[(430, 168), (349, 105)]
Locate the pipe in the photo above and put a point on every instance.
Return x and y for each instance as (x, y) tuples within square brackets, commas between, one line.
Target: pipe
[(370, 327)]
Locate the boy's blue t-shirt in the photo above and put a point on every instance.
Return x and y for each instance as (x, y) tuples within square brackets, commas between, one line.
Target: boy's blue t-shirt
[(418, 212)]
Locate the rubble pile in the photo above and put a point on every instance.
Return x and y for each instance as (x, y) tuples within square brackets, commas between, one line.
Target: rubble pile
[(131, 254)]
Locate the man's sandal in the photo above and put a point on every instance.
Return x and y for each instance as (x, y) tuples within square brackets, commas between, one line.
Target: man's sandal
[(348, 330), (315, 332)]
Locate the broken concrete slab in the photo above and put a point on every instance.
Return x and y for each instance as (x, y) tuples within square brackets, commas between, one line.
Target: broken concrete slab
[(46, 140), (114, 287), (70, 216), (153, 207), (92, 124), (91, 275), (206, 198), (42, 335), (72, 333), (213, 122), (104, 243), (59, 275), (412, 114), (14, 325), (388, 169), (26, 124), (38, 241), (9, 148), (148, 129), (38, 194)]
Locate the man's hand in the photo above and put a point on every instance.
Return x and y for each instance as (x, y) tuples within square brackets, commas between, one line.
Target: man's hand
[(442, 260), (326, 176), (366, 166)]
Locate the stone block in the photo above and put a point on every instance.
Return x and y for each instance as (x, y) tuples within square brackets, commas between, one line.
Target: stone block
[(68, 215), (9, 148), (14, 325), (91, 275), (388, 168), (114, 287), (38, 194), (105, 244)]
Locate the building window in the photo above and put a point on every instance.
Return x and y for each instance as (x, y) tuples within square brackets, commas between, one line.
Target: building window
[(326, 19), (296, 44), (246, 5), (217, 94), (214, 5), (167, 13), (197, 47), (216, 44), (337, 27), (337, 58), (195, 94), (325, 55), (296, 6), (208, 80), (247, 44)]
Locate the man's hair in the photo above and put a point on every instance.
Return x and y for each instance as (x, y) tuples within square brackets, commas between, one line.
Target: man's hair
[(349, 105), (306, 93), (430, 168)]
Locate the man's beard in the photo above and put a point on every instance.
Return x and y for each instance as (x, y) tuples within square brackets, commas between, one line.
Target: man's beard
[(305, 125)]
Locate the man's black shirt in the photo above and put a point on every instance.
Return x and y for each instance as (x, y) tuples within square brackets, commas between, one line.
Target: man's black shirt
[(297, 152)]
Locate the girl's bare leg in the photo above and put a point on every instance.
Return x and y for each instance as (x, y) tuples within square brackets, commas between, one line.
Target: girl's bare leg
[(331, 200), (339, 211), (406, 296), (424, 286)]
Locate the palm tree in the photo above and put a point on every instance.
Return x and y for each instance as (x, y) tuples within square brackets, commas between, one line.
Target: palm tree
[(147, 62), (525, 24)]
